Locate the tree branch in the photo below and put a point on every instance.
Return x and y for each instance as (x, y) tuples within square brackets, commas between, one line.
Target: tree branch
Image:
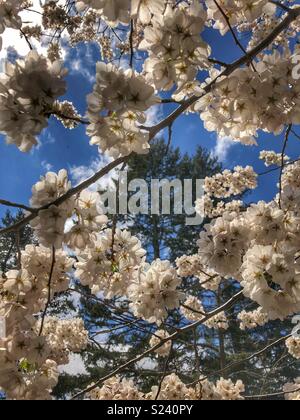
[(15, 205)]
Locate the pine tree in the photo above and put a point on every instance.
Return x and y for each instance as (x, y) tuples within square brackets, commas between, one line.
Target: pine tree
[(167, 236)]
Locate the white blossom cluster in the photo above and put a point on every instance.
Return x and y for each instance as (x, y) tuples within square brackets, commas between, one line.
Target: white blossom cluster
[(292, 390), (218, 322), (205, 391), (238, 12), (261, 28), (144, 10), (50, 223), (123, 97), (155, 291), (230, 391), (25, 106), (258, 248), (116, 388), (176, 51), (248, 101), (291, 188), (85, 212), (37, 261), (27, 369), (207, 207), (251, 320), (66, 113), (172, 389), (272, 158), (87, 219), (156, 339), (231, 183), (110, 263), (191, 266), (113, 12), (271, 280), (64, 337), (193, 310), (223, 186), (293, 346)]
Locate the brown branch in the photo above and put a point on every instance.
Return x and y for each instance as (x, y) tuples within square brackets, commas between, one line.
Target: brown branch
[(66, 117), (193, 310), (15, 205), (131, 43), (276, 394), (26, 39), (282, 6)]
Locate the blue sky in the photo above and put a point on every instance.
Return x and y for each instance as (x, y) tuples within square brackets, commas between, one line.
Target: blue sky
[(61, 148)]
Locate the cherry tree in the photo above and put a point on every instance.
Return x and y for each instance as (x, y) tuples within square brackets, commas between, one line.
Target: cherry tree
[(255, 248)]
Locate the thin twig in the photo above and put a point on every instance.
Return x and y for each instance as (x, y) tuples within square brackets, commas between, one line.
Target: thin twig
[(287, 135), (26, 39), (49, 292), (164, 372)]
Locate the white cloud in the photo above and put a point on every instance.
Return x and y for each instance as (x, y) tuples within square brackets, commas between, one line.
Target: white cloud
[(223, 148), (124, 63), (147, 363), (46, 165), (80, 64), (81, 173), (74, 367), (154, 115)]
